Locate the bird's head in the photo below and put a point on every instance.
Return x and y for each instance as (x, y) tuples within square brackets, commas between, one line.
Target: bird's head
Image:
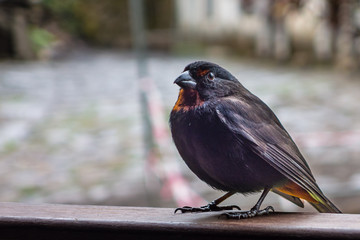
[(209, 80)]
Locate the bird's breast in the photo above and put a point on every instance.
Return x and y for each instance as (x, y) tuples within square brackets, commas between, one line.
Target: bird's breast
[(216, 154)]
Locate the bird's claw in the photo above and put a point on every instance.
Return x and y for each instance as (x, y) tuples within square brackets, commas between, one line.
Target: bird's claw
[(249, 214), (207, 208)]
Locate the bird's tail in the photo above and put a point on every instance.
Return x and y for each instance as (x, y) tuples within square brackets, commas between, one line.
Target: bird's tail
[(325, 206), (316, 198)]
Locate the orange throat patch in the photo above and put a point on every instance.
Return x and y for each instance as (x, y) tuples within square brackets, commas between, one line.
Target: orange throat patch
[(188, 99)]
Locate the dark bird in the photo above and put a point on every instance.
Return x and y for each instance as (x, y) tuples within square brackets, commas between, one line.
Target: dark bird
[(234, 142)]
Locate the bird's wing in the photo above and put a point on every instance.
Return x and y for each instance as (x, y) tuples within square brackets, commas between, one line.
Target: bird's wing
[(253, 121)]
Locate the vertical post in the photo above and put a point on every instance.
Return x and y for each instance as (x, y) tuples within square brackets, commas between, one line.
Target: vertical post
[(138, 35), (345, 41), (160, 160), (136, 11), (263, 37)]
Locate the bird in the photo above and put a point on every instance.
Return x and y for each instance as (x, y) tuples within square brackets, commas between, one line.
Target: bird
[(235, 143)]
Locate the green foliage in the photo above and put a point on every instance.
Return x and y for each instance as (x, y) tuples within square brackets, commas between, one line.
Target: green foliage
[(103, 22), (40, 38), (107, 22), (30, 191), (64, 10), (9, 147)]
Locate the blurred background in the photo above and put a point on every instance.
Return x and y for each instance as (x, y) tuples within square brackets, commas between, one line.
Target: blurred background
[(86, 88)]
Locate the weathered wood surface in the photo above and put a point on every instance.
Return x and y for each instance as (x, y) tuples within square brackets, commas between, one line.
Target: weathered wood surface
[(52, 221)]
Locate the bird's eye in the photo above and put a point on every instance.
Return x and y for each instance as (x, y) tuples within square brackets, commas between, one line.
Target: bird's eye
[(210, 76)]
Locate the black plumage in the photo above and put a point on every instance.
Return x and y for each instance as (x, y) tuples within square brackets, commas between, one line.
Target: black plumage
[(234, 142)]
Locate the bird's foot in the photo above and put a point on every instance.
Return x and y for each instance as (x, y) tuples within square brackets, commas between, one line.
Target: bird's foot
[(211, 207), (249, 214)]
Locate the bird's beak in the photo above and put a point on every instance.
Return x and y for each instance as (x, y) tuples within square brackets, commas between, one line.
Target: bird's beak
[(186, 81)]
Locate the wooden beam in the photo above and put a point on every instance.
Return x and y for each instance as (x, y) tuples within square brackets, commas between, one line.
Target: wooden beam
[(54, 221)]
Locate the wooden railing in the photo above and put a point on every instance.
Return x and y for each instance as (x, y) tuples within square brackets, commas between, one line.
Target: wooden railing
[(53, 221)]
